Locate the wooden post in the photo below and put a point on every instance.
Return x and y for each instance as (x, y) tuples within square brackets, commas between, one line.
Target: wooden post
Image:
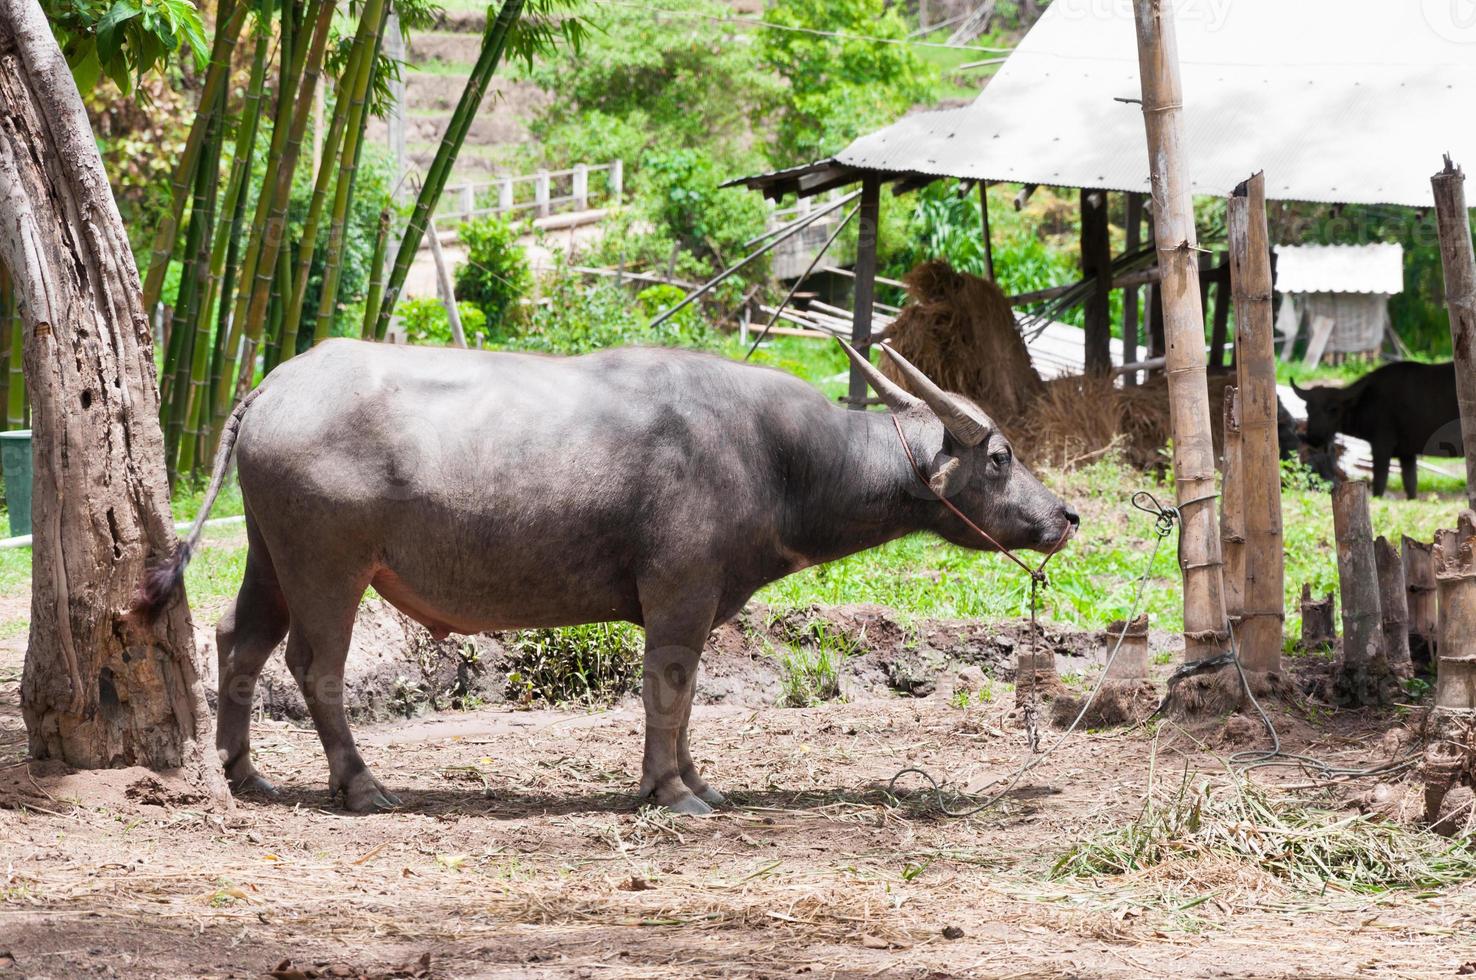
[(541, 194), (581, 187), (444, 285), (1134, 235), (1362, 675), (1155, 322), (1263, 615), (1459, 263), (505, 198), (1096, 266), (1131, 663), (1318, 626), (1394, 607), (1446, 731), (1232, 510), (988, 239), (1419, 584), (1205, 633), (468, 202), (868, 214), (617, 180)]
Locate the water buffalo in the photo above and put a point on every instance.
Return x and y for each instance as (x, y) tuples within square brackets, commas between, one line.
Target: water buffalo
[(1403, 410), (483, 491)]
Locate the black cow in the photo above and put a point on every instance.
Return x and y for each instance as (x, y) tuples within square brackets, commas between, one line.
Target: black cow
[(1403, 410)]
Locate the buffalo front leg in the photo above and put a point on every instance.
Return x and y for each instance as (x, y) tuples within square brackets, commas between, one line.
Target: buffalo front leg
[(674, 641), (1380, 472), (1409, 468)]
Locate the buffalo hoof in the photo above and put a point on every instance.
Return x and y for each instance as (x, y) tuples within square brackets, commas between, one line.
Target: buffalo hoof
[(711, 796), (253, 784), (365, 794), (689, 805)]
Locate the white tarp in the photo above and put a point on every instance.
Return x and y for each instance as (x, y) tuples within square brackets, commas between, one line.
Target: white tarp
[(1338, 101)]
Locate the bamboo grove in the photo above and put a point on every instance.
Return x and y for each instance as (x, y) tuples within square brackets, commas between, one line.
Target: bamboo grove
[(246, 273)]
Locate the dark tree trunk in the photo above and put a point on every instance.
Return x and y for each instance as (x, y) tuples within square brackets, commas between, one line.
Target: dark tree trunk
[(99, 689), (1096, 265)]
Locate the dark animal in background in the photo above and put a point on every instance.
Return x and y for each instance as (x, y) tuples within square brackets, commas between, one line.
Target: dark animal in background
[(484, 491), (1402, 410)]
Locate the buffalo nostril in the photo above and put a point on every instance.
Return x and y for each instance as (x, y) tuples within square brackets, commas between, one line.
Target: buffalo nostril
[(1073, 517)]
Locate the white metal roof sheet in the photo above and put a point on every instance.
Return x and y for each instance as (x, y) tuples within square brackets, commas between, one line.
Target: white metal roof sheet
[(1374, 268), (1338, 101)]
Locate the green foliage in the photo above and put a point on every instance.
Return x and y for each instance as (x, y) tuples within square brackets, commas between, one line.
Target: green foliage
[(648, 79), (123, 40), (683, 201), (580, 316), (425, 322), (495, 276), (583, 664), (837, 88)]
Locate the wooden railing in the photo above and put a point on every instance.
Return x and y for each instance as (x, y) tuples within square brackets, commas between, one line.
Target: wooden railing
[(552, 190)]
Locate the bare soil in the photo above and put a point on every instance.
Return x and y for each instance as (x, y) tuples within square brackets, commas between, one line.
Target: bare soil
[(520, 850)]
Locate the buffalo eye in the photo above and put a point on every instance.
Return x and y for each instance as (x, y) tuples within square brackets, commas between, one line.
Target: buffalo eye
[(1001, 457)]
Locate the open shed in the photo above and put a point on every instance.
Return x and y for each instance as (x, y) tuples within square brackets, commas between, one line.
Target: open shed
[(1337, 297), (1338, 101)]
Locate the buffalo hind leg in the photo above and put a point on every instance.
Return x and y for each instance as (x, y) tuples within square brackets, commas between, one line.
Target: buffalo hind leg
[(317, 648), (247, 634), (675, 635), (1409, 469)]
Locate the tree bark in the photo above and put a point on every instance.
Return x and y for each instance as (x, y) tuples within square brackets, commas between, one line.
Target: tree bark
[(100, 688), (1393, 606), (1419, 585), (1459, 262), (1263, 613), (1363, 675), (1205, 633)]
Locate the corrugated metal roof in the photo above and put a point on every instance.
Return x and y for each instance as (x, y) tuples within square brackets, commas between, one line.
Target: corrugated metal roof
[(1375, 268), (1338, 101)]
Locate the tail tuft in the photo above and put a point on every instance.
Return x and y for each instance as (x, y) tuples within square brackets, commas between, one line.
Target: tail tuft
[(160, 583)]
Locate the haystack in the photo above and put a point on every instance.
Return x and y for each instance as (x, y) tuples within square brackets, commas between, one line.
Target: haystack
[(960, 331)]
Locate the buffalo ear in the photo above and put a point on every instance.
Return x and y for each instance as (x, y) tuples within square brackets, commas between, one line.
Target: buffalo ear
[(948, 475)]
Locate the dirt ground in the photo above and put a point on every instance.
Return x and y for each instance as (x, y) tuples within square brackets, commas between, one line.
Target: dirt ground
[(520, 851)]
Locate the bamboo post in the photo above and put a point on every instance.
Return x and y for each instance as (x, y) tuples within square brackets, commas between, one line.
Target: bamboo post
[(868, 217), (1393, 606), (1131, 663), (1362, 674), (1449, 750), (1419, 584), (988, 238), (1205, 633), (1232, 510), (1263, 612), (1134, 235), (1318, 625), (1459, 263), (1096, 267), (444, 285), (1221, 324)]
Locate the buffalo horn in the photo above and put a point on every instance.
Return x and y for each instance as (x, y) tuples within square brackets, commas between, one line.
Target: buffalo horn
[(1302, 393), (957, 418), (891, 394)]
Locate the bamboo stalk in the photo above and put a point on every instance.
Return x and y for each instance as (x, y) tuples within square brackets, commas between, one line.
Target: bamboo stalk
[(1232, 510), (493, 46), (1420, 600), (326, 169), (8, 324), (1393, 605), (375, 15), (446, 287), (376, 278), (1263, 613), (1458, 260), (1205, 632), (216, 76), (308, 64)]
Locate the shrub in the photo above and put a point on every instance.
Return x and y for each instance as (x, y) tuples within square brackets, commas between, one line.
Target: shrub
[(425, 322), (584, 664), (495, 276), (683, 199), (581, 316)]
